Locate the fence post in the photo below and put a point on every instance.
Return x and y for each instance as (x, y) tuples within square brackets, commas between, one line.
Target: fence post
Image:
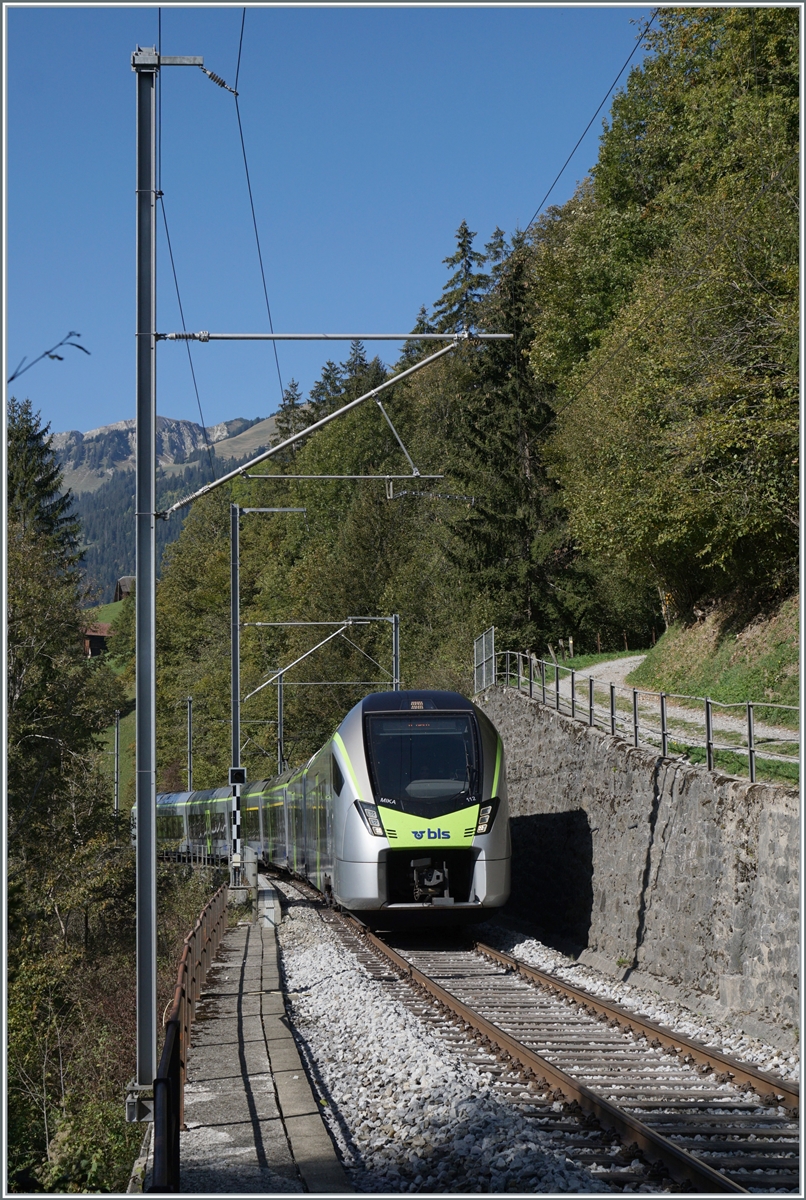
[(635, 715), (612, 708), (531, 676), (709, 735), (751, 742), (518, 664), (543, 677), (573, 693), (557, 686), (590, 700), (664, 732), (507, 682)]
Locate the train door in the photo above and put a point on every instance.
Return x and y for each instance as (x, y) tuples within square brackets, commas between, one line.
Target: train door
[(304, 828), (286, 843), (316, 812), (260, 800)]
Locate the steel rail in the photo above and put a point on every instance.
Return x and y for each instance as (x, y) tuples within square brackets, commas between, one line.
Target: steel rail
[(781, 1090), (681, 1164)]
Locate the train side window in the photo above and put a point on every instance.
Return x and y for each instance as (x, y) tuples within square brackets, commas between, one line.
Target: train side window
[(338, 778)]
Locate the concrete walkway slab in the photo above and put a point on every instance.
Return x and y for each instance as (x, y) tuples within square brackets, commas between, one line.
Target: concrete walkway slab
[(253, 1124)]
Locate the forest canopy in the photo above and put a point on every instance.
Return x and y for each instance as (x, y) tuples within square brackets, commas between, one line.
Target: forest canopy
[(630, 454)]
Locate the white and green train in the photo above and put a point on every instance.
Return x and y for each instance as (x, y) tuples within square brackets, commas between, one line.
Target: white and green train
[(401, 815)]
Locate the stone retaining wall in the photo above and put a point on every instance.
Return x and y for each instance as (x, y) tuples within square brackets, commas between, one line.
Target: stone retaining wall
[(653, 866)]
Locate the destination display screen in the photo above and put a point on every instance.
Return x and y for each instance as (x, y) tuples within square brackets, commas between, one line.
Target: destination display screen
[(423, 760)]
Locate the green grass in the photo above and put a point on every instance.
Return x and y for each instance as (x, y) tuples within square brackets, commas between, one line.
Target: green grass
[(580, 661), (737, 764), (105, 612), (731, 662)]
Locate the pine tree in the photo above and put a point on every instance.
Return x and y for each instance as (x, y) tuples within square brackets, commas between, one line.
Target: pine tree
[(503, 539), (498, 251), (458, 306), (35, 497), (415, 350), (326, 393), (359, 373), (291, 417)]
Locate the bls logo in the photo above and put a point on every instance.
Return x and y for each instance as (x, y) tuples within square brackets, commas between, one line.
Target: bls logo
[(433, 834)]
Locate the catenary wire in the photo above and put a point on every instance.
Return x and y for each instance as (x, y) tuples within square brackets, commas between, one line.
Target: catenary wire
[(161, 199), (252, 203), (182, 318), (627, 61)]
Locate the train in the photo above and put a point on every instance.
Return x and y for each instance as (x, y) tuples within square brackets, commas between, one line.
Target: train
[(401, 817)]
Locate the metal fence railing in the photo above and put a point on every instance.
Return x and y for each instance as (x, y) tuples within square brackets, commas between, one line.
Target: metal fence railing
[(200, 949), (193, 856), (675, 724), (484, 660)]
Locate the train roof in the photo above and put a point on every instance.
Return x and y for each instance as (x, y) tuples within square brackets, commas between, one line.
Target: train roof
[(418, 700)]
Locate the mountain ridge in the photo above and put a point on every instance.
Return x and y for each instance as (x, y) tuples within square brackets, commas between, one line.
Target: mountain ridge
[(88, 460)]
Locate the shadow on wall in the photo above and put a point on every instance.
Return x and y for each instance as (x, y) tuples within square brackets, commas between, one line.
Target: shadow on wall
[(552, 877)]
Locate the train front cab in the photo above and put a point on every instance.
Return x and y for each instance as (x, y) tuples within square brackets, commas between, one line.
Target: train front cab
[(422, 814)]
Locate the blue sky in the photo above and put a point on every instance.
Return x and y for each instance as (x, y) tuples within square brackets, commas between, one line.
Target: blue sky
[(371, 133)]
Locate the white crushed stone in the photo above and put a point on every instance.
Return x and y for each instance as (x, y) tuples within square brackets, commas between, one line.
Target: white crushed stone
[(726, 1035), (407, 1112)]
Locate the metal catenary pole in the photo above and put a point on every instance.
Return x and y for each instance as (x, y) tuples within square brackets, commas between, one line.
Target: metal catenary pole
[(236, 512), (235, 676), (190, 743), (395, 652), (117, 763), (146, 64), (235, 634), (280, 747)]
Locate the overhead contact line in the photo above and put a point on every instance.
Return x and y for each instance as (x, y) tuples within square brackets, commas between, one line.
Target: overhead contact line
[(605, 98), (456, 339)]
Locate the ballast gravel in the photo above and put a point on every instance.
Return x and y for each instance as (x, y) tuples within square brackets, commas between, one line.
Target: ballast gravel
[(406, 1111), (726, 1036)]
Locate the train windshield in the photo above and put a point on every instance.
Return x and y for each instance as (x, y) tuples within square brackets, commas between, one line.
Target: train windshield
[(422, 760)]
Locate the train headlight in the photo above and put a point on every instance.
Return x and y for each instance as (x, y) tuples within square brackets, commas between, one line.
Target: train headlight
[(487, 815), (371, 817)]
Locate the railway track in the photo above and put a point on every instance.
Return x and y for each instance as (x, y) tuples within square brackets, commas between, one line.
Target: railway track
[(712, 1121), (586, 1070)]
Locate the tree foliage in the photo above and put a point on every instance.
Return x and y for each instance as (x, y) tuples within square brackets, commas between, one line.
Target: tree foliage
[(35, 498), (71, 876), (676, 440), (631, 450)]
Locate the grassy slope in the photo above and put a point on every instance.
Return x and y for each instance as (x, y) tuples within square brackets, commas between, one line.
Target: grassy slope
[(758, 661), (105, 612)]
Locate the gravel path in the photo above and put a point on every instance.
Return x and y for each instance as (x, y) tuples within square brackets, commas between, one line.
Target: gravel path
[(407, 1111), (616, 671), (726, 1035)]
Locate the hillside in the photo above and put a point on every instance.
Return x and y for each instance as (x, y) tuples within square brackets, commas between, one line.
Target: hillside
[(98, 467), (89, 460), (729, 658)]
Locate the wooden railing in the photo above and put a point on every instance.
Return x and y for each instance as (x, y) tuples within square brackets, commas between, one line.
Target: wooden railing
[(200, 949)]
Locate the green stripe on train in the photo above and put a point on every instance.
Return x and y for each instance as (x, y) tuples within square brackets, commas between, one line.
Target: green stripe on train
[(348, 764), (498, 756)]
